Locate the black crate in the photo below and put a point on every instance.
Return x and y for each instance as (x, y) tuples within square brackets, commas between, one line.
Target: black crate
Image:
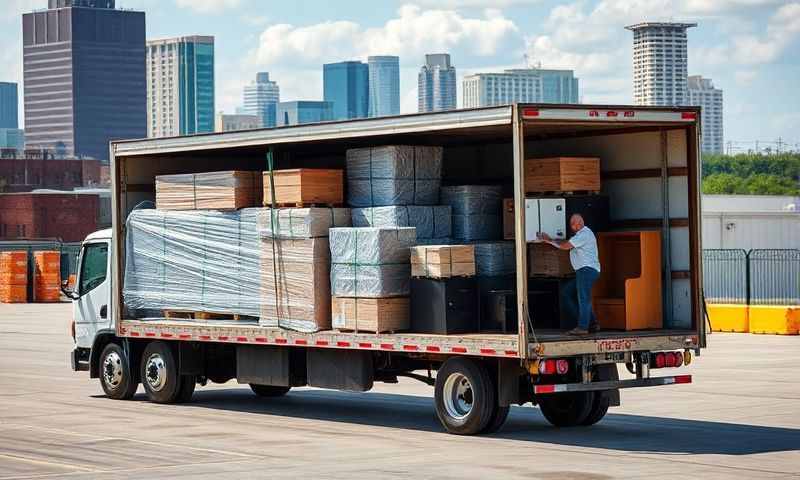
[(444, 306)]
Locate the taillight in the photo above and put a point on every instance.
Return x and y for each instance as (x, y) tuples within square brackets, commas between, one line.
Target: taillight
[(660, 361), (552, 367), (668, 360), (562, 366)]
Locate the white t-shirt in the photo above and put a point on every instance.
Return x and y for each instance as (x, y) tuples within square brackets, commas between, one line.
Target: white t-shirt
[(584, 251)]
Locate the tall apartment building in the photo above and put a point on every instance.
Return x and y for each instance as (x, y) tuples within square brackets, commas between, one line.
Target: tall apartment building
[(436, 84), (304, 111), (84, 81), (226, 122), (384, 85), (660, 63), (9, 102), (261, 98), (346, 85), (703, 94), (487, 89), (180, 86), (559, 86)]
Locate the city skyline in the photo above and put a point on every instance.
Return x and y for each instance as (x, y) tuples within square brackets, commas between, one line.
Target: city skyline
[(600, 55)]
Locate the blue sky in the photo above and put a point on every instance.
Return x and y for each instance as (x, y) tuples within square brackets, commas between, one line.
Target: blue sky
[(750, 48)]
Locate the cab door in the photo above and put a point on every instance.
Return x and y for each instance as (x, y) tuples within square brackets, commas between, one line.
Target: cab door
[(91, 308)]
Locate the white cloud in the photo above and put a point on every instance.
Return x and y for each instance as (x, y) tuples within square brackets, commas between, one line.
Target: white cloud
[(208, 6), (456, 4), (745, 78)]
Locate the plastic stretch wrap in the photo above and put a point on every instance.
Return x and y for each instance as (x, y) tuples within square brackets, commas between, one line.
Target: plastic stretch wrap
[(476, 211), (430, 221), (494, 258), (228, 190), (393, 175), (371, 262), (220, 262), (434, 241), (301, 222)]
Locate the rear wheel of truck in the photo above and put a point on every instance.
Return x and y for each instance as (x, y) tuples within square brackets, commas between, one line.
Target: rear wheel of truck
[(599, 409), (186, 389), (567, 409), (269, 390), (116, 375), (464, 396), (160, 373)]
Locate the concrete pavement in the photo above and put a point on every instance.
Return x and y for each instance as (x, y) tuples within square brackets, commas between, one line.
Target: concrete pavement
[(740, 419)]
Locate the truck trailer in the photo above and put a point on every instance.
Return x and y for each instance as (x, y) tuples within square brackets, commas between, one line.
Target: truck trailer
[(650, 170)]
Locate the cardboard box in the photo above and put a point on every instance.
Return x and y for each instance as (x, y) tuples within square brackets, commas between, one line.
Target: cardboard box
[(371, 314), (443, 261), (305, 186), (562, 174), (508, 219), (228, 190), (547, 261)]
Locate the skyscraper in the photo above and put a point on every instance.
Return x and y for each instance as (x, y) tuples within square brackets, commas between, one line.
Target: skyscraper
[(346, 85), (84, 77), (660, 63), (303, 111), (9, 102), (384, 85), (487, 89), (559, 86), (436, 84), (180, 86), (703, 94), (261, 98)]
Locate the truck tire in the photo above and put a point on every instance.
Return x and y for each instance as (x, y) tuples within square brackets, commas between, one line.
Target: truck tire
[(269, 390), (599, 409), (464, 396), (567, 409), (498, 419), (187, 384), (116, 376), (159, 373)]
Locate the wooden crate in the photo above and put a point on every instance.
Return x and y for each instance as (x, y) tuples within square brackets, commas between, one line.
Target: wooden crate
[(227, 190), (547, 261), (370, 314), (508, 219), (305, 187), (562, 174), (443, 261)]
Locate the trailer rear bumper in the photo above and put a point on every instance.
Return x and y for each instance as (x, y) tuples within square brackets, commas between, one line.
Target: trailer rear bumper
[(611, 384)]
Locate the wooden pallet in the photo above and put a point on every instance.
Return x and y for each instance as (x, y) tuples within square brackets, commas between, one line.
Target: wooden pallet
[(192, 315), (267, 203)]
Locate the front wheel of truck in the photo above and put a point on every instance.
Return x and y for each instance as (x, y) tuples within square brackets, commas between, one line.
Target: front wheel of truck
[(567, 409), (116, 375)]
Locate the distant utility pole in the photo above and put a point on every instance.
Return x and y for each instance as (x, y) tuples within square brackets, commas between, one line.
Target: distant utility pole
[(780, 144)]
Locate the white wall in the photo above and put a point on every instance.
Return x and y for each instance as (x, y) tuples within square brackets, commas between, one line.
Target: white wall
[(751, 230)]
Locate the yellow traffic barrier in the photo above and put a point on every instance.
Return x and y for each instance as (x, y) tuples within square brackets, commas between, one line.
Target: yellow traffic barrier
[(728, 317), (777, 319)]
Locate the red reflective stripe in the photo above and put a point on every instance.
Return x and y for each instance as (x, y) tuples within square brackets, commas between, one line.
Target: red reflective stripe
[(365, 345), (300, 341), (630, 113), (683, 379), (241, 339), (387, 346), (530, 112), (410, 347), (342, 344), (322, 343), (149, 334), (488, 351), (185, 335), (545, 388), (134, 334), (261, 339), (281, 340), (458, 350), (166, 335), (222, 337), (204, 337), (432, 348), (688, 116), (512, 353), (611, 113)]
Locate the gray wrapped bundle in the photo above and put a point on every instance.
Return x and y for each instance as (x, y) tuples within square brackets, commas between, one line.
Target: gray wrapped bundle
[(371, 262), (301, 222), (476, 211), (393, 175), (430, 222), (434, 241), (494, 258)]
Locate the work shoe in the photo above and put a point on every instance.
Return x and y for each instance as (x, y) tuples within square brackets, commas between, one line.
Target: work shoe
[(594, 328), (578, 331)]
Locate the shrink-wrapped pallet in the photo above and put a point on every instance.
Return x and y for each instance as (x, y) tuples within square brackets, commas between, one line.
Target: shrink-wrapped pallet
[(371, 262), (301, 222), (476, 211), (430, 221), (228, 190), (393, 175), (494, 259)]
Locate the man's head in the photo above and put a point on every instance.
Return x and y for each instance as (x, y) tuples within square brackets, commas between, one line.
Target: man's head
[(576, 222)]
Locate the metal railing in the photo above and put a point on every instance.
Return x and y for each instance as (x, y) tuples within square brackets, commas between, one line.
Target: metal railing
[(755, 277)]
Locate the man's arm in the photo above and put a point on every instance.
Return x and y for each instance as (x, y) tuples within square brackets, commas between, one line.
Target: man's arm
[(559, 244)]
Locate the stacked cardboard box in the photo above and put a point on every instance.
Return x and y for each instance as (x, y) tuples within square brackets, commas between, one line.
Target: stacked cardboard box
[(229, 190), (393, 175), (443, 261), (370, 263), (47, 276), (13, 276), (476, 211), (547, 261), (562, 174), (304, 186)]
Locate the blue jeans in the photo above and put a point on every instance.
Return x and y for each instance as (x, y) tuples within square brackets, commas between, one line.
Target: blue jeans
[(577, 296)]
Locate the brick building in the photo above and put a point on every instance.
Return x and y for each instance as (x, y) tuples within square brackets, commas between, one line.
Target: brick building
[(65, 216), (33, 169)]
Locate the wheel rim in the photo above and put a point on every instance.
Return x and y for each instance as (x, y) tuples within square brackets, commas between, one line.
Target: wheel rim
[(458, 396), (156, 372), (112, 370)]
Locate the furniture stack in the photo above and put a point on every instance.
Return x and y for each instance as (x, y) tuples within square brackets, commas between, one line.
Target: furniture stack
[(14, 276), (47, 276)]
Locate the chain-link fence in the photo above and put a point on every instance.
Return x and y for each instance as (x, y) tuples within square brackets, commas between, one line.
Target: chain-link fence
[(757, 277)]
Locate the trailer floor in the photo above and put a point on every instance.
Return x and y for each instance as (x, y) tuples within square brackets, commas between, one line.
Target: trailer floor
[(738, 420)]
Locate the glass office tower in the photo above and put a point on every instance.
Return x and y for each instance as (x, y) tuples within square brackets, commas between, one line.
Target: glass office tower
[(346, 85)]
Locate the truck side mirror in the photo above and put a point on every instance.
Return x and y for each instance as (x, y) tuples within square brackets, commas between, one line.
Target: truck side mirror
[(68, 290)]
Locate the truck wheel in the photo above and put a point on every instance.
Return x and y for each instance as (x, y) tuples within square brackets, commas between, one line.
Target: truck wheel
[(498, 419), (599, 409), (567, 409), (269, 390), (116, 376), (186, 389), (160, 373), (464, 396)]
